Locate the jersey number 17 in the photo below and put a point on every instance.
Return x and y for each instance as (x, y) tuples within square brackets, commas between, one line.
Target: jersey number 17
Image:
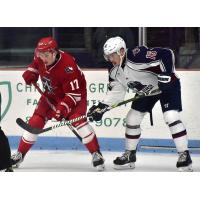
[(74, 84)]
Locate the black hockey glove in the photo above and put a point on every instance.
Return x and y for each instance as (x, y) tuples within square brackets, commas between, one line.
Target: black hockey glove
[(95, 113), (164, 81), (139, 88)]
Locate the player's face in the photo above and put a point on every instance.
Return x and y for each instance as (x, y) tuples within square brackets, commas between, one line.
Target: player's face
[(47, 57), (114, 58)]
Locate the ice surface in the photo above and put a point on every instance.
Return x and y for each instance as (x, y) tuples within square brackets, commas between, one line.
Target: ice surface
[(80, 161)]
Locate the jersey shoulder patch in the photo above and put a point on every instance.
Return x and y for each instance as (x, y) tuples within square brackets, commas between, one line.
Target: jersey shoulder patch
[(69, 69)]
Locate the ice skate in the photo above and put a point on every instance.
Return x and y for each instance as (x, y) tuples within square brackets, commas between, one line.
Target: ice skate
[(126, 161), (9, 169), (184, 163), (98, 161), (16, 159)]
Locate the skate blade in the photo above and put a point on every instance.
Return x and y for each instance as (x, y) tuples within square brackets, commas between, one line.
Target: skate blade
[(10, 169), (100, 168), (185, 169), (126, 166), (16, 166)]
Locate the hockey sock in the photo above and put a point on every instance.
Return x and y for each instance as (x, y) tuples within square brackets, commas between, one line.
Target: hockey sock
[(93, 145), (24, 146), (29, 139)]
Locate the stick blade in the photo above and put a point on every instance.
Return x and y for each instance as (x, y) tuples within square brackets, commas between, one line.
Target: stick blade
[(27, 127)]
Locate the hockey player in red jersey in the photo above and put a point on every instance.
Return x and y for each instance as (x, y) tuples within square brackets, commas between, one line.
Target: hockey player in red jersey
[(65, 88)]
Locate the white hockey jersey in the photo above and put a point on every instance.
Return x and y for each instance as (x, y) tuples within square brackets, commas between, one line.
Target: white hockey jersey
[(140, 64)]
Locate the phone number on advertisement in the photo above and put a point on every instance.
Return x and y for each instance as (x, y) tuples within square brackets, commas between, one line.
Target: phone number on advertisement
[(108, 122)]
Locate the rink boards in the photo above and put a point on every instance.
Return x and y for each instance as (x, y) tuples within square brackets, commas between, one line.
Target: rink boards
[(19, 100)]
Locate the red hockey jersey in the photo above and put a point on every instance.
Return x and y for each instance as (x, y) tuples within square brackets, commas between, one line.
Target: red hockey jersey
[(63, 81)]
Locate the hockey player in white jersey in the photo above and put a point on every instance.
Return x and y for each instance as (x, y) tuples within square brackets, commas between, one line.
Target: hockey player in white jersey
[(143, 70)]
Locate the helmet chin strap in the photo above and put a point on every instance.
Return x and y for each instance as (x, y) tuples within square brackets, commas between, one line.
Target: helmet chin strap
[(121, 58)]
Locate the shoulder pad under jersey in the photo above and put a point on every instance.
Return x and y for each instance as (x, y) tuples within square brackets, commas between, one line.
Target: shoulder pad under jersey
[(137, 54)]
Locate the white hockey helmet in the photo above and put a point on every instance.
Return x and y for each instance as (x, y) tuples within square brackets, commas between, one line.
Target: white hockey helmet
[(113, 45)]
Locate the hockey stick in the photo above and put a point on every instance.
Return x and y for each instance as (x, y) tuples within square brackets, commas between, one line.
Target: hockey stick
[(153, 93), (53, 107), (30, 129)]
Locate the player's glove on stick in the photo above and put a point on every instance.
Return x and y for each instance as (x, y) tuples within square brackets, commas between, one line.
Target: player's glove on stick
[(139, 88), (30, 77), (95, 113), (164, 81), (61, 112)]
